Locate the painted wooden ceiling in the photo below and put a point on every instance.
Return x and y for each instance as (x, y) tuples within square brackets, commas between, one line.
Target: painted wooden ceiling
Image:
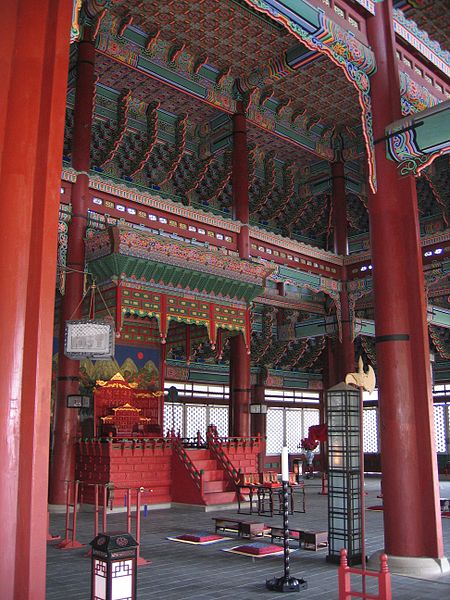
[(432, 16), (212, 43)]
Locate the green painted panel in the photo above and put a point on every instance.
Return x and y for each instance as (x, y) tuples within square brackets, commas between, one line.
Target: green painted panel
[(365, 327), (300, 277), (171, 77), (201, 377), (299, 384), (445, 266), (302, 9), (439, 316), (295, 136), (314, 328), (435, 131)]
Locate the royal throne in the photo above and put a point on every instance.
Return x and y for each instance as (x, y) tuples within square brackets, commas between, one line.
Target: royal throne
[(123, 410)]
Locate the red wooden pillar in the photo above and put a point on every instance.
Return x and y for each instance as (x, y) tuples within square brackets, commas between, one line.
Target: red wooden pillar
[(259, 420), (239, 387), (66, 419), (33, 72), (240, 179), (239, 359), (342, 352), (162, 380), (163, 331), (412, 521)]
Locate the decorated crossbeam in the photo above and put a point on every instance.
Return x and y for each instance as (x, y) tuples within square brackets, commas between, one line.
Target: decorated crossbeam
[(415, 141), (436, 315), (315, 283), (310, 328)]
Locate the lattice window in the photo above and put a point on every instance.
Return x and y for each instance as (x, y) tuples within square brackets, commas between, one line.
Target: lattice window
[(370, 430), (291, 395), (275, 430), (440, 411), (291, 424), (196, 419), (173, 417), (218, 415), (293, 429)]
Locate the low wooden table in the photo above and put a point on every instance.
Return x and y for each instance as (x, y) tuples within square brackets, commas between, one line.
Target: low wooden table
[(278, 532), (313, 540), (252, 529), (247, 489), (246, 529)]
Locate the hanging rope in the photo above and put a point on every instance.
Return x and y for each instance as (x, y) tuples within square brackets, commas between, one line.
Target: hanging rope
[(86, 289)]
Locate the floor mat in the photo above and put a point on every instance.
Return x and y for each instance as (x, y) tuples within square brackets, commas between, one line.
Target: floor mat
[(198, 538), (256, 550)]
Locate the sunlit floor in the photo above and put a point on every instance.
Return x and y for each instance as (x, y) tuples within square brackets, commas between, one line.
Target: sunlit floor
[(204, 572)]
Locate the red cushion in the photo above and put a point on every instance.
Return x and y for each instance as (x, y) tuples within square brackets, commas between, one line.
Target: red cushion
[(199, 537), (258, 549)]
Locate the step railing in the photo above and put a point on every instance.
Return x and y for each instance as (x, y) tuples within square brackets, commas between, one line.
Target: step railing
[(196, 475), (215, 445), (239, 441)]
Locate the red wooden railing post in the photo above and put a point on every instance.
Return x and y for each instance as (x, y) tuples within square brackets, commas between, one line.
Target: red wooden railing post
[(385, 579), (343, 577), (383, 576), (324, 490)]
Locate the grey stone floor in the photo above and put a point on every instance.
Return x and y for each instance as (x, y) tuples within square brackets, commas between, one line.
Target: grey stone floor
[(187, 572)]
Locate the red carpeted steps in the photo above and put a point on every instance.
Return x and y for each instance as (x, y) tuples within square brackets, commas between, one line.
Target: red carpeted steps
[(217, 489)]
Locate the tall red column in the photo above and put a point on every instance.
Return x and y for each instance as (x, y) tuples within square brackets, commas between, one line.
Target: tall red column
[(240, 179), (66, 419), (33, 72), (239, 359), (239, 387), (412, 522), (342, 352), (259, 420), (162, 381)]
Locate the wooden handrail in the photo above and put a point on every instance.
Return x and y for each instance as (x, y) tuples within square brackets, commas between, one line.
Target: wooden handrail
[(215, 446), (195, 474)]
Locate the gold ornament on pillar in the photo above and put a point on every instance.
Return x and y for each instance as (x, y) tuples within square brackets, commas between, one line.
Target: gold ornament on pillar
[(75, 29), (364, 379)]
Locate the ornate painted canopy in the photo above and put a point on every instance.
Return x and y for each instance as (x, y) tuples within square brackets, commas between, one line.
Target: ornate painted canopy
[(125, 253)]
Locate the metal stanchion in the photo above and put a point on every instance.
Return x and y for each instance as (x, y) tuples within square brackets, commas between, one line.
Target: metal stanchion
[(286, 583)]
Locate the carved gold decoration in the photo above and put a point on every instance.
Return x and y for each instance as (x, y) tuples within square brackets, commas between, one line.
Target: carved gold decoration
[(117, 381), (361, 378)]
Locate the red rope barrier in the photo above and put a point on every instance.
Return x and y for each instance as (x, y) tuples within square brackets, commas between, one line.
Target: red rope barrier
[(101, 505), (70, 539)]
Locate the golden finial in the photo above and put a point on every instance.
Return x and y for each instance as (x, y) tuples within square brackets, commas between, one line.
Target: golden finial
[(361, 378)]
